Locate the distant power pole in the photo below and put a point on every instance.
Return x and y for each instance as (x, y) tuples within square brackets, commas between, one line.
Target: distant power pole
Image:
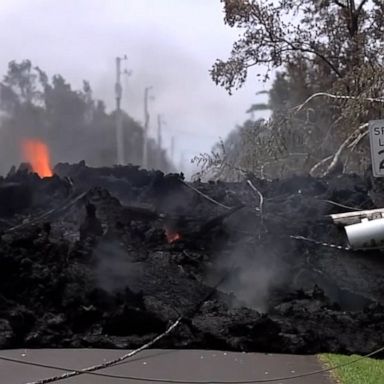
[(159, 133), (159, 141), (146, 127), (120, 158)]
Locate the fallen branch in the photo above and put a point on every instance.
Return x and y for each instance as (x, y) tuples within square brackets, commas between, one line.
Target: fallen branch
[(261, 202), (339, 97), (261, 198), (340, 205), (336, 157), (352, 146), (206, 196), (355, 142), (319, 164)]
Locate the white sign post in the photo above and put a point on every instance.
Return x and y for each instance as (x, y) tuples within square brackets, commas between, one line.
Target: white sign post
[(376, 139)]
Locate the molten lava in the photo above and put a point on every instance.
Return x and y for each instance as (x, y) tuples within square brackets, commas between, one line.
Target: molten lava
[(36, 153), (171, 235)]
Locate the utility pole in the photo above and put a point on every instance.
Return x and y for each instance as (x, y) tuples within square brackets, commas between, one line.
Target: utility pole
[(159, 133), (120, 155), (146, 127), (159, 141)]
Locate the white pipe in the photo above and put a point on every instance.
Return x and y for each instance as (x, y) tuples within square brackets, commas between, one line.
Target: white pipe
[(368, 234)]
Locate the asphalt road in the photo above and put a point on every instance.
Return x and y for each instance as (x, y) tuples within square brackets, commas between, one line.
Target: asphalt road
[(169, 365)]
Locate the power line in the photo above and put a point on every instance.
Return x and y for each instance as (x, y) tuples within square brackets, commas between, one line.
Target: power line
[(172, 381), (113, 362)]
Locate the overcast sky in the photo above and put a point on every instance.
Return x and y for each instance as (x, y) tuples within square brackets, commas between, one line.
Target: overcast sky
[(170, 45)]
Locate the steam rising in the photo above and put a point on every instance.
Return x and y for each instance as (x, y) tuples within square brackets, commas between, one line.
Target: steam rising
[(114, 270), (256, 272)]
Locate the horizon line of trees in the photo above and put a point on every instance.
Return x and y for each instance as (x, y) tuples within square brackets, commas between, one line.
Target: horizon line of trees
[(71, 122)]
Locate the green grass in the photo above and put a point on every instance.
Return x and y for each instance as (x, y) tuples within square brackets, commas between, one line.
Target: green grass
[(365, 371)]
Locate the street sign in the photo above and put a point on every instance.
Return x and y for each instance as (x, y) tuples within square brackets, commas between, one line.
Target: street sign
[(376, 139)]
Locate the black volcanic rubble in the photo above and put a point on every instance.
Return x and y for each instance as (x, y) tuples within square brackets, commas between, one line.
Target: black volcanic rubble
[(108, 257)]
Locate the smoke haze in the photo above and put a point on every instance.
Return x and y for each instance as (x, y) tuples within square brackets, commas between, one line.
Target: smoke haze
[(256, 271), (114, 270), (170, 45)]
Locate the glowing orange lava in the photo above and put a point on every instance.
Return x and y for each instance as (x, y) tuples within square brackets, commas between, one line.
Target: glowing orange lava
[(36, 153), (172, 236)]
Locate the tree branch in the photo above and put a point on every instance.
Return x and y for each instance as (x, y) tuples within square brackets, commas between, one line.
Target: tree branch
[(355, 142), (360, 6), (340, 97), (261, 198), (313, 170), (294, 48), (337, 2), (326, 61), (345, 144)]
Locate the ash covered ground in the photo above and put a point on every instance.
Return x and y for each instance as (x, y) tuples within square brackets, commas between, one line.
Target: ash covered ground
[(108, 257)]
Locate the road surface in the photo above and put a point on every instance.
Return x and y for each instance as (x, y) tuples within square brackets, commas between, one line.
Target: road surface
[(193, 365)]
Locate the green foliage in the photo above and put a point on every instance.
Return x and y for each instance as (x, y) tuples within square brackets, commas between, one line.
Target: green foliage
[(214, 164), (365, 371), (334, 36)]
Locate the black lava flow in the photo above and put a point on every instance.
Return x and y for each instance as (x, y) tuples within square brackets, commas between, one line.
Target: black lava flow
[(107, 257)]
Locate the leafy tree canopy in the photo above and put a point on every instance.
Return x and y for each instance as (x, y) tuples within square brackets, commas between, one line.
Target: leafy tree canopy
[(335, 36)]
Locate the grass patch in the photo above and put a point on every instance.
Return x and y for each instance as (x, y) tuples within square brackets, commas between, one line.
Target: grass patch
[(365, 371)]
